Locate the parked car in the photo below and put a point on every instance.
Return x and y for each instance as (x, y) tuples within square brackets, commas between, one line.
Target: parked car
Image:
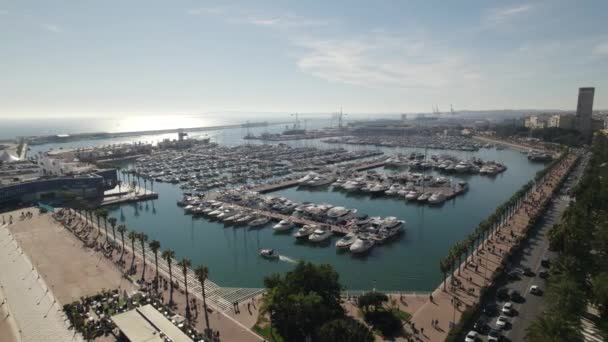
[(494, 335), (507, 309), (535, 290), (502, 294), (471, 336), (528, 272), (514, 275), (543, 274), (515, 296), (502, 322), (545, 262)]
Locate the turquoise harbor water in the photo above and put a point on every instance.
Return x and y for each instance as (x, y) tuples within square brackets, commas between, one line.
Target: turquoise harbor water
[(407, 264)]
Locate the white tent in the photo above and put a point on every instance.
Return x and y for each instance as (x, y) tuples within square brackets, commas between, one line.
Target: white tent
[(7, 157)]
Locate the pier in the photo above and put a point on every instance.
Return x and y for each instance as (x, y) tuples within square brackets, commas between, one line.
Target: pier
[(129, 195), (341, 230)]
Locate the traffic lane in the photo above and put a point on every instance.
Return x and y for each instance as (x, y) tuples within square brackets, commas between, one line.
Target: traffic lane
[(535, 249), (533, 305)]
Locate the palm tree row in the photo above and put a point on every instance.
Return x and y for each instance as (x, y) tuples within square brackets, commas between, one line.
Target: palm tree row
[(201, 271), (468, 246)]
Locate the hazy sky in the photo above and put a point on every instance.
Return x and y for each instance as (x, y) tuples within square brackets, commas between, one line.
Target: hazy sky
[(148, 57)]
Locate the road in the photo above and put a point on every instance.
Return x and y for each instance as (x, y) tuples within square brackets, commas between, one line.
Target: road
[(535, 249)]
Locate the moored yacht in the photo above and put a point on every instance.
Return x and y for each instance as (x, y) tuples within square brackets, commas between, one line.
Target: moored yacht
[(437, 198), (346, 241), (283, 225), (320, 234), (361, 245), (305, 232)]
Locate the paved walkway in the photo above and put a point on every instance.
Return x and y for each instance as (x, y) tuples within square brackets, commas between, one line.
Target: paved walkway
[(232, 327), (476, 272), (36, 311)]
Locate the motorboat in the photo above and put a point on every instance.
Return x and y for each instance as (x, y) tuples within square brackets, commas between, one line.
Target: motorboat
[(269, 254), (346, 241), (283, 225), (305, 232), (341, 213), (361, 245), (243, 219), (259, 221), (424, 197), (319, 235), (378, 188), (392, 223), (412, 195), (394, 189), (437, 198)]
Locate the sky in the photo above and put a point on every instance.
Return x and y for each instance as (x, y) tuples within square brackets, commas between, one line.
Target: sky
[(116, 58)]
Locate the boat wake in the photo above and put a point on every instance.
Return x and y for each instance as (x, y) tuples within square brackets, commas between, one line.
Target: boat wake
[(287, 259)]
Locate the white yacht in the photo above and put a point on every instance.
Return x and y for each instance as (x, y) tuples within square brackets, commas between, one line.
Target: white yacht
[(341, 213), (305, 232), (319, 235), (424, 197), (259, 221), (269, 254), (283, 225), (361, 245), (412, 195), (346, 241), (378, 188), (437, 198), (394, 189)]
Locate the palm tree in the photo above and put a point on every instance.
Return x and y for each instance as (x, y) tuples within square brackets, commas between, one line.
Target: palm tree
[(444, 267), (133, 236), (98, 216), (143, 238), (552, 327), (113, 221), (168, 255), (202, 273), (151, 184), (155, 246), (184, 264), (122, 229)]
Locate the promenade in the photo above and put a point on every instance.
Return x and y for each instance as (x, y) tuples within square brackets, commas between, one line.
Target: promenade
[(31, 306), (476, 272), (232, 326), (516, 145)]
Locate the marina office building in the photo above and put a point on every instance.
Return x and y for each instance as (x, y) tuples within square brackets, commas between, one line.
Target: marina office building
[(86, 186)]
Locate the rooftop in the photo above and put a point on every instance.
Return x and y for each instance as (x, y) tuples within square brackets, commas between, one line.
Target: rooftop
[(146, 324)]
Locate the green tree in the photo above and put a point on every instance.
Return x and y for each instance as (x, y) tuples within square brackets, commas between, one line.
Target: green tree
[(202, 273), (302, 300), (155, 246), (142, 239), (122, 229), (133, 236), (553, 328), (113, 221), (372, 299), (185, 263), (345, 330), (168, 255), (599, 291)]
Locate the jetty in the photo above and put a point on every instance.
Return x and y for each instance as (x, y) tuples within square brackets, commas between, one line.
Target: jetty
[(340, 230)]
